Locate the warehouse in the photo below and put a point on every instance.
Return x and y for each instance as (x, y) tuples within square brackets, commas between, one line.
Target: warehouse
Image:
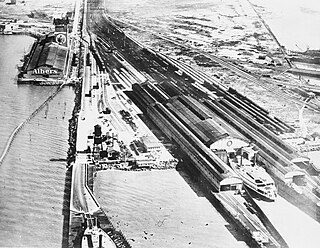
[(47, 60)]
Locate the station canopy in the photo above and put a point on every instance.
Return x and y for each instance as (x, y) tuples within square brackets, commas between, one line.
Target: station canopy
[(295, 173), (231, 181), (202, 124)]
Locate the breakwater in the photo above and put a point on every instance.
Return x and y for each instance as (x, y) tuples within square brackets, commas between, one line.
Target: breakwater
[(22, 124)]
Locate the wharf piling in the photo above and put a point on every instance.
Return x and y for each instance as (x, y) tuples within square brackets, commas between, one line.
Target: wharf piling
[(22, 124)]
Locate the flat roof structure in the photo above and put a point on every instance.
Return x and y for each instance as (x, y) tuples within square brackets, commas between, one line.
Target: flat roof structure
[(150, 142)]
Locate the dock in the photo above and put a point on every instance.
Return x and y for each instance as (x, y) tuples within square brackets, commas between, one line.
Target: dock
[(166, 79), (120, 81)]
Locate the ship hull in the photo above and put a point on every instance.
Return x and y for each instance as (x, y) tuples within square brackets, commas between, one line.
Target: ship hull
[(253, 187), (96, 238)]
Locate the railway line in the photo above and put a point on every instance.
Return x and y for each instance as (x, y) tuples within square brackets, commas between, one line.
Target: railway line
[(263, 83), (129, 63), (257, 112), (176, 78), (154, 70), (232, 102)]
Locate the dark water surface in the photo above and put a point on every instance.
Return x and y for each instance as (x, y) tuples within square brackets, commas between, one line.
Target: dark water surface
[(31, 186), (161, 209)]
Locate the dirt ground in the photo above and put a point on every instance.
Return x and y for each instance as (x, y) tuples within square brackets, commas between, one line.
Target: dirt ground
[(231, 29), (34, 10)]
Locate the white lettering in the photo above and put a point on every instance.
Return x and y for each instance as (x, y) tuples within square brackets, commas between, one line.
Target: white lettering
[(46, 72)]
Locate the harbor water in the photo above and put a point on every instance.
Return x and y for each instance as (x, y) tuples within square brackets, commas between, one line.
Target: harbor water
[(31, 185), (294, 22), (162, 209), (152, 208)]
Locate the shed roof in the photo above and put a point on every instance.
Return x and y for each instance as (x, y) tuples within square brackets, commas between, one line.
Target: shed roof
[(203, 126), (48, 54), (212, 130)]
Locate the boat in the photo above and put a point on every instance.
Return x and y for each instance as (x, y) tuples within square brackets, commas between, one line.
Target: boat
[(95, 237), (254, 176)]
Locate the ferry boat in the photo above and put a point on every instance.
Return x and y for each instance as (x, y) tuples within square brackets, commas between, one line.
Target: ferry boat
[(254, 176), (95, 237)]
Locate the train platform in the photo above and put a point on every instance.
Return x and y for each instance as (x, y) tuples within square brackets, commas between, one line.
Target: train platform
[(247, 217)]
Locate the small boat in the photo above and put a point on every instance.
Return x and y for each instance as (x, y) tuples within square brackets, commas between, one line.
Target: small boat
[(254, 176), (95, 237)]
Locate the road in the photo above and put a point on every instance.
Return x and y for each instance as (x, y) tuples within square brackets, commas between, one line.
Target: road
[(82, 199)]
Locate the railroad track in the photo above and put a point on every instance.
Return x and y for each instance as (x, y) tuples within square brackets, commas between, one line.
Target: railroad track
[(256, 111), (232, 102), (133, 56), (263, 83)]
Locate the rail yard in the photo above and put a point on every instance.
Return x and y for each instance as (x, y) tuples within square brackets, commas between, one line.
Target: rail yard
[(168, 79), (211, 123), (186, 104), (135, 103)]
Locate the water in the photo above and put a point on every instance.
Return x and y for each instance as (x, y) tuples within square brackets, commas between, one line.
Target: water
[(296, 227), (295, 23), (160, 204), (31, 186), (160, 209)]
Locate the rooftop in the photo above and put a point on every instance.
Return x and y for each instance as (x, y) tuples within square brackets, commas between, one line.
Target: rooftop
[(48, 53)]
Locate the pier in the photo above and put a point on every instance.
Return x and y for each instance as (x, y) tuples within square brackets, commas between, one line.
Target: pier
[(166, 78), (119, 80), (82, 200)]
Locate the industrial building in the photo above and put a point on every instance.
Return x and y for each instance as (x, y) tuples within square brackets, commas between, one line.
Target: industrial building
[(48, 56), (47, 59), (151, 143)]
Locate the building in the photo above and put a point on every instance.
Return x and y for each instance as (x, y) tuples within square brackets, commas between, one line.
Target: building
[(61, 31), (48, 56), (208, 129), (150, 143), (47, 59)]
